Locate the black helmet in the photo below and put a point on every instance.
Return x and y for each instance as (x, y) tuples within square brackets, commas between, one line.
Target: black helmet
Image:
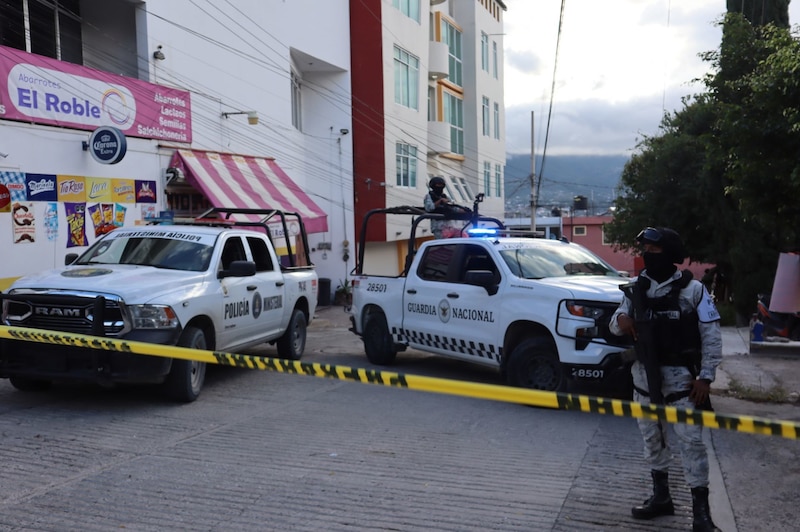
[(667, 239), (436, 182)]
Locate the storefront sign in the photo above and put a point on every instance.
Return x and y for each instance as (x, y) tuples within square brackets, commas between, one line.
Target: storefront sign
[(47, 91), (107, 145)]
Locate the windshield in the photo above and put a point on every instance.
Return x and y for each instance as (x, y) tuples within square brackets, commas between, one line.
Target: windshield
[(158, 252), (537, 262)]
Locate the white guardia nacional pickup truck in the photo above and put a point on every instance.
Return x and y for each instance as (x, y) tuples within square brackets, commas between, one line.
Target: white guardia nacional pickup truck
[(214, 284), (536, 309)]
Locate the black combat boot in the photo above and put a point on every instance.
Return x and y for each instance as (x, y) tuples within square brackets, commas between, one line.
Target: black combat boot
[(702, 513), (661, 502)]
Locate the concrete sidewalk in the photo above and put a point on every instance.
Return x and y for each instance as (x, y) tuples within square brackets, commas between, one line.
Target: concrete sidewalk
[(765, 371)]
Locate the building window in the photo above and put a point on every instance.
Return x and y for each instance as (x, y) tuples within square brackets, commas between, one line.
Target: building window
[(605, 241), (297, 108), (49, 28), (406, 162), (459, 190), (484, 52), (452, 38), (579, 230), (409, 8), (487, 178), (485, 116), (406, 79), (498, 180), (454, 115), (495, 68), (497, 120), (431, 104)]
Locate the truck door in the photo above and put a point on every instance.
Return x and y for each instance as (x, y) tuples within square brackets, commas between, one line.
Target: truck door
[(443, 314), (242, 298), (269, 317)]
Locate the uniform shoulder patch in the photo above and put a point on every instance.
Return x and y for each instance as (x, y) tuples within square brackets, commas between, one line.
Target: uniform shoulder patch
[(706, 309)]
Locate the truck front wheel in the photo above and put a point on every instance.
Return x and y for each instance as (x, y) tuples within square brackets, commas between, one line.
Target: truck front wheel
[(27, 384), (186, 377), (534, 364), (293, 342), (378, 344)]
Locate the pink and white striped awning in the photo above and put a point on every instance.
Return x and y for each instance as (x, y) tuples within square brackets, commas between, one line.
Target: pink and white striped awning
[(242, 181)]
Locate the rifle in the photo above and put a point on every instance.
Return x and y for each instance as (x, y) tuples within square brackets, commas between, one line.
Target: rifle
[(644, 345)]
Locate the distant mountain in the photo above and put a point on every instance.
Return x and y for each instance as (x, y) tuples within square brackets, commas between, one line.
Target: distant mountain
[(563, 177)]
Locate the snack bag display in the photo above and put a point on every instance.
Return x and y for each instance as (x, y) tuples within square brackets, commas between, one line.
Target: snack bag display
[(76, 221), (108, 212), (119, 215), (97, 218)]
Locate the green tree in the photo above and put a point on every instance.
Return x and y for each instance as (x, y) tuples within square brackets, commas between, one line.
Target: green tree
[(762, 12), (724, 169)]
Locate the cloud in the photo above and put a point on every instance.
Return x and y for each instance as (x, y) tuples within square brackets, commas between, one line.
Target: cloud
[(525, 62), (586, 127)]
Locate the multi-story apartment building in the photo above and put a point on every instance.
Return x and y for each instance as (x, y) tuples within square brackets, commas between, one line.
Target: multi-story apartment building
[(127, 108), (427, 101)]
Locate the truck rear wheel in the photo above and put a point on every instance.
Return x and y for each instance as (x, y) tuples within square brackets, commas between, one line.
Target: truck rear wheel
[(534, 364), (28, 384), (293, 342), (186, 377), (378, 344)]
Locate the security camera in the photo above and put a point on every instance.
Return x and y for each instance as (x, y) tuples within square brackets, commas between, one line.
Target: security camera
[(344, 131)]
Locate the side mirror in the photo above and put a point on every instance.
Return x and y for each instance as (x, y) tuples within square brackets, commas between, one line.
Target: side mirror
[(483, 278), (70, 258), (238, 268)]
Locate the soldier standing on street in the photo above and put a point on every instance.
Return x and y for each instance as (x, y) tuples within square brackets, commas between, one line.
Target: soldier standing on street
[(675, 327)]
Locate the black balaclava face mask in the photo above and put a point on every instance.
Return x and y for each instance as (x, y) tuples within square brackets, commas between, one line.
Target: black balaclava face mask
[(659, 266), (437, 192)]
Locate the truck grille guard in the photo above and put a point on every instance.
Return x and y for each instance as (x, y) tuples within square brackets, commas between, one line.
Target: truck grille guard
[(75, 312)]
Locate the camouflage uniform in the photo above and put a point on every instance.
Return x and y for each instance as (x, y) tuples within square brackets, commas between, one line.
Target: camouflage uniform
[(677, 379), (439, 228)]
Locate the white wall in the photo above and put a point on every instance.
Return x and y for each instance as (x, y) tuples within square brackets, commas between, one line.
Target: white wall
[(230, 60), (51, 150)]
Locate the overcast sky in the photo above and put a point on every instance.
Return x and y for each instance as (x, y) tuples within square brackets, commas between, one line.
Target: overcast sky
[(621, 63)]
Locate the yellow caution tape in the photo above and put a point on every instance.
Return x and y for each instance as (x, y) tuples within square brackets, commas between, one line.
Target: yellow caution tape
[(494, 392)]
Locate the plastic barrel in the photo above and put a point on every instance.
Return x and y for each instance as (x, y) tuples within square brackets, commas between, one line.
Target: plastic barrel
[(324, 294)]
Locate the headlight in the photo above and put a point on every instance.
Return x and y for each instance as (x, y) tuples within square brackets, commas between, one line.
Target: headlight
[(599, 312), (585, 310), (153, 317)]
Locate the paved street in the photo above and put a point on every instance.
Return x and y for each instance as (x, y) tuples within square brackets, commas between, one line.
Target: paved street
[(268, 451)]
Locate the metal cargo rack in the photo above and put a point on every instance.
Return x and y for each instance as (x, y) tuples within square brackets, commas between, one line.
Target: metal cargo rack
[(222, 217), (470, 217)]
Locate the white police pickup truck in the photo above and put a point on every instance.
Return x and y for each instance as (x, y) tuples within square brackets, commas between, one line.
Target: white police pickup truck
[(214, 284), (536, 309)]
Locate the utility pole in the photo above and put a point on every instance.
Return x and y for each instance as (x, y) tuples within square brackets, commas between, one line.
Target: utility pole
[(533, 180)]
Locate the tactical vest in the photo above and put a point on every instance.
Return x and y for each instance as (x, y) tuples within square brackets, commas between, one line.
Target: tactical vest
[(676, 336)]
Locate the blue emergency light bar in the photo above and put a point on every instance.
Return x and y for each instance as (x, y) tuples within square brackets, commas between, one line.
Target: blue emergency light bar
[(478, 232)]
